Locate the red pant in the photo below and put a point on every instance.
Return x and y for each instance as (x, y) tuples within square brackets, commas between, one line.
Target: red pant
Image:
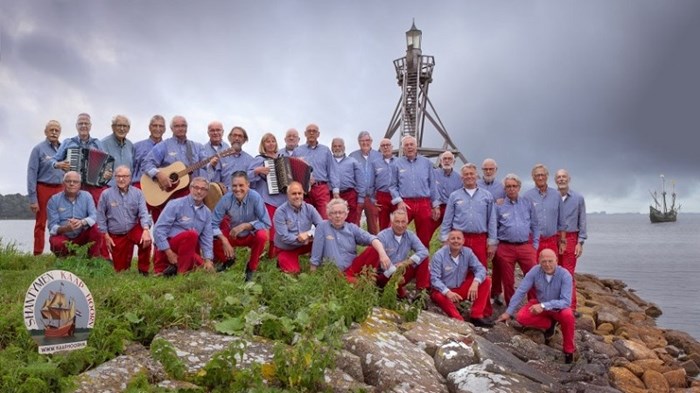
[(551, 242), (504, 261), (271, 250), (44, 192), (58, 246), (568, 262), (123, 250), (384, 209), (186, 246), (543, 321), (95, 191), (288, 260), (255, 241), (478, 305), (420, 210), (477, 242), (371, 214), (350, 196), (318, 197)]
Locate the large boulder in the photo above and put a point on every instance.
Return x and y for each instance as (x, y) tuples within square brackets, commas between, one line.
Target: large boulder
[(625, 380), (489, 377), (633, 350), (389, 360), (431, 330), (454, 355), (655, 382)]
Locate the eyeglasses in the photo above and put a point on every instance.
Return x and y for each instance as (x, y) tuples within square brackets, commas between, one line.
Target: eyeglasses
[(337, 213), (488, 169), (385, 145), (120, 125), (311, 130), (122, 176), (196, 188), (512, 186), (84, 123), (72, 181)]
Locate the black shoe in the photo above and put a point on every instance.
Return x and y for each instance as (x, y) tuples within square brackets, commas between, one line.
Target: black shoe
[(549, 333), (143, 273), (170, 271), (497, 300), (577, 314), (481, 322), (222, 267), (249, 275), (568, 358)]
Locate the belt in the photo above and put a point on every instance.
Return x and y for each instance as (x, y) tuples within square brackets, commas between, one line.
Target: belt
[(320, 183), (513, 243), (49, 184), (416, 199)]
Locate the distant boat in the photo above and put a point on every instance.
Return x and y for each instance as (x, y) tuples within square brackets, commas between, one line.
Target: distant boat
[(59, 314), (660, 212)]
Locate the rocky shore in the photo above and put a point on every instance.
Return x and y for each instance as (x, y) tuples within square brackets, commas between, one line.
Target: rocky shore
[(619, 348)]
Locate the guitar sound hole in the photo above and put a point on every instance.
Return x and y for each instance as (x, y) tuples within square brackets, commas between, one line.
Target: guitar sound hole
[(174, 177)]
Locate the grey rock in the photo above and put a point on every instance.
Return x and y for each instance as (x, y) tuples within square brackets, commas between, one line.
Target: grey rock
[(488, 377), (431, 330), (454, 355), (337, 381), (350, 364)]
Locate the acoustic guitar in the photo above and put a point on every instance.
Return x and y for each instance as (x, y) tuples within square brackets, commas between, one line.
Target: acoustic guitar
[(179, 176)]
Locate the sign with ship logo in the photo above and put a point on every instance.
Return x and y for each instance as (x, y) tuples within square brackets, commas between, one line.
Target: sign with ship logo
[(59, 312)]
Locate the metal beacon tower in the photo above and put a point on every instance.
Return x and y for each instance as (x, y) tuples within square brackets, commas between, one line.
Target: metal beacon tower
[(414, 72)]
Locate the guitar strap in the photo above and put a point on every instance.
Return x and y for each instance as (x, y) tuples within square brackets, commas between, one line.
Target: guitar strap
[(190, 160)]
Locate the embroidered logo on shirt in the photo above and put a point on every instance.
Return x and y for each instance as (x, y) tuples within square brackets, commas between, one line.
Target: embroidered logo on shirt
[(114, 204), (172, 153), (459, 202), (61, 209), (330, 237), (185, 219)]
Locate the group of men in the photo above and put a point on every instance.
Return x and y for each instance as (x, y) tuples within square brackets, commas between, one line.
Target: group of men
[(481, 220)]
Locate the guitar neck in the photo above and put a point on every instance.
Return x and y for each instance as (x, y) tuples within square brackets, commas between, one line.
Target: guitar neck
[(204, 162)]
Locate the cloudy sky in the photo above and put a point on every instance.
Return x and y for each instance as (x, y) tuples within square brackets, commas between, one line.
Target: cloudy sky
[(607, 89)]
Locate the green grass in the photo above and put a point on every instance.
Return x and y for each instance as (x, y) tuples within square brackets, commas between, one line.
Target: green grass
[(307, 313)]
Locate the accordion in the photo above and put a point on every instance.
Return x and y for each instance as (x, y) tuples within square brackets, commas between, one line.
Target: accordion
[(284, 170), (91, 164)]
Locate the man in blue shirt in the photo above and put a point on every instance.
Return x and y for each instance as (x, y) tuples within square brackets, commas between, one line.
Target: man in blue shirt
[(383, 175), (403, 248), (116, 144), (249, 223), (457, 275), (217, 167), (156, 129), (336, 240), (352, 180), (291, 142), (240, 160), (43, 181), (72, 218), (82, 140), (324, 177), (183, 231), (488, 180), (169, 151), (366, 156), (294, 222), (546, 201), (123, 220), (413, 189), (517, 224), (552, 304), (573, 216), (447, 180)]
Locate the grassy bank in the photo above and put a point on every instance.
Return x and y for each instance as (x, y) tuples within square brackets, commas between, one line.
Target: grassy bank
[(305, 313)]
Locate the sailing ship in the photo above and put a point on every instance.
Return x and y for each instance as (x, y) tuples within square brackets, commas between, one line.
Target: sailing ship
[(660, 212), (59, 315)]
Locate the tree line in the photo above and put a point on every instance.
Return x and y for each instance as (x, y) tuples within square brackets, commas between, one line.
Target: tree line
[(15, 207)]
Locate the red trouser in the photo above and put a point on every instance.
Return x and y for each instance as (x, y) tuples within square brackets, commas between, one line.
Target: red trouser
[(255, 241), (318, 197), (478, 309), (436, 224), (477, 242), (543, 321), (507, 255), (370, 257), (186, 246), (44, 192), (288, 260), (123, 250), (95, 191), (384, 209), (58, 247), (350, 196), (371, 214), (420, 210), (551, 242), (271, 250), (567, 260)]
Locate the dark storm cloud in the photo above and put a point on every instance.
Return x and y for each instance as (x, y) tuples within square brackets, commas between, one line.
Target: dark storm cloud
[(605, 89)]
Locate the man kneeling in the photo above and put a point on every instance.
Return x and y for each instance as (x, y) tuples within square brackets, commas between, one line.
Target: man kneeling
[(456, 275), (553, 303)]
